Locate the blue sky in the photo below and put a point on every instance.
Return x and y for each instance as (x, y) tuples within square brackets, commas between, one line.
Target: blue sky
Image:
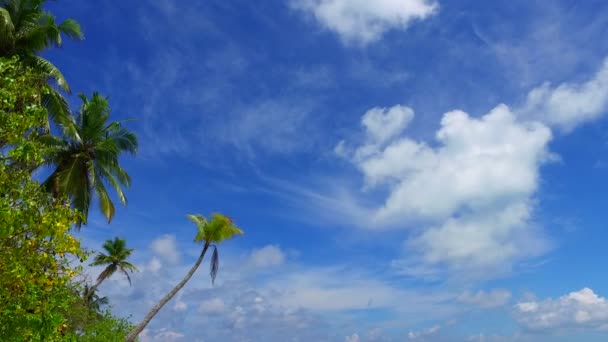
[(403, 169)]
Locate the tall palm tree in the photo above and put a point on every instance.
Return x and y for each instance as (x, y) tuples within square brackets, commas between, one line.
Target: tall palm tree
[(86, 158), (210, 233), (25, 31), (114, 260)]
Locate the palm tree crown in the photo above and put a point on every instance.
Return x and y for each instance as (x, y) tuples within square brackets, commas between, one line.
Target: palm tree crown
[(86, 158), (25, 31), (114, 261), (211, 232)]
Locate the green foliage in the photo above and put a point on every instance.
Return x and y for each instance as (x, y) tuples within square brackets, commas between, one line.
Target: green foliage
[(114, 260), (38, 300), (214, 231), (35, 241), (26, 30), (86, 158), (103, 328)]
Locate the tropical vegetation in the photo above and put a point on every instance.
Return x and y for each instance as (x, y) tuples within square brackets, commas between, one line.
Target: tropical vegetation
[(44, 292)]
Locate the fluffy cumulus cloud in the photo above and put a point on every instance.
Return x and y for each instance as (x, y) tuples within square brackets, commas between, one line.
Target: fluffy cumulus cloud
[(267, 256), (472, 188), (491, 299), (165, 247), (364, 21), (569, 104), (580, 309)]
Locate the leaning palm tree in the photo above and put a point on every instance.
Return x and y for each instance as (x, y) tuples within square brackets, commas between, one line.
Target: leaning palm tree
[(210, 233), (114, 260), (86, 158), (25, 31)]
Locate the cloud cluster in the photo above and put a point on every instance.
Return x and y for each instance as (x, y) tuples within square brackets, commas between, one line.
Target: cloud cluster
[(472, 188), (362, 21), (580, 309), (248, 303)]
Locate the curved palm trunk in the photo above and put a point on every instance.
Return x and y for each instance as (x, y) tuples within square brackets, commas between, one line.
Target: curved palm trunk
[(138, 329)]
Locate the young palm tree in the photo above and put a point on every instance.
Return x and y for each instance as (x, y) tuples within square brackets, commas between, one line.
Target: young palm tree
[(86, 158), (210, 233), (92, 299), (25, 31), (114, 261)]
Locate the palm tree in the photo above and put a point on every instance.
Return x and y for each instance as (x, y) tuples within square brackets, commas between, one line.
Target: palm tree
[(86, 158), (114, 261), (92, 300), (25, 31), (210, 233)]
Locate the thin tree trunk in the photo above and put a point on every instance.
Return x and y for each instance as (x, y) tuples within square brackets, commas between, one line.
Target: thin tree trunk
[(138, 329), (94, 288)]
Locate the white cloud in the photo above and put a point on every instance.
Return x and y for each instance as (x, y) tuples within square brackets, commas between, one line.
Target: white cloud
[(335, 289), (383, 124), (364, 21), (180, 306), (480, 163), (583, 309), (569, 104), (424, 333), (290, 301), (267, 256), (352, 338), (154, 265), (491, 299), (472, 190), (160, 335), (166, 247), (212, 306)]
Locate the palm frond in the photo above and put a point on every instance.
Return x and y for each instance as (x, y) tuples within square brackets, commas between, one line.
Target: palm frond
[(124, 271), (109, 177), (49, 70), (7, 31), (105, 203), (72, 29), (59, 113), (214, 264), (100, 259)]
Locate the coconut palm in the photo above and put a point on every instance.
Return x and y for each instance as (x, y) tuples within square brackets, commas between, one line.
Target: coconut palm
[(210, 233), (25, 31), (114, 260), (86, 158), (92, 300)]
